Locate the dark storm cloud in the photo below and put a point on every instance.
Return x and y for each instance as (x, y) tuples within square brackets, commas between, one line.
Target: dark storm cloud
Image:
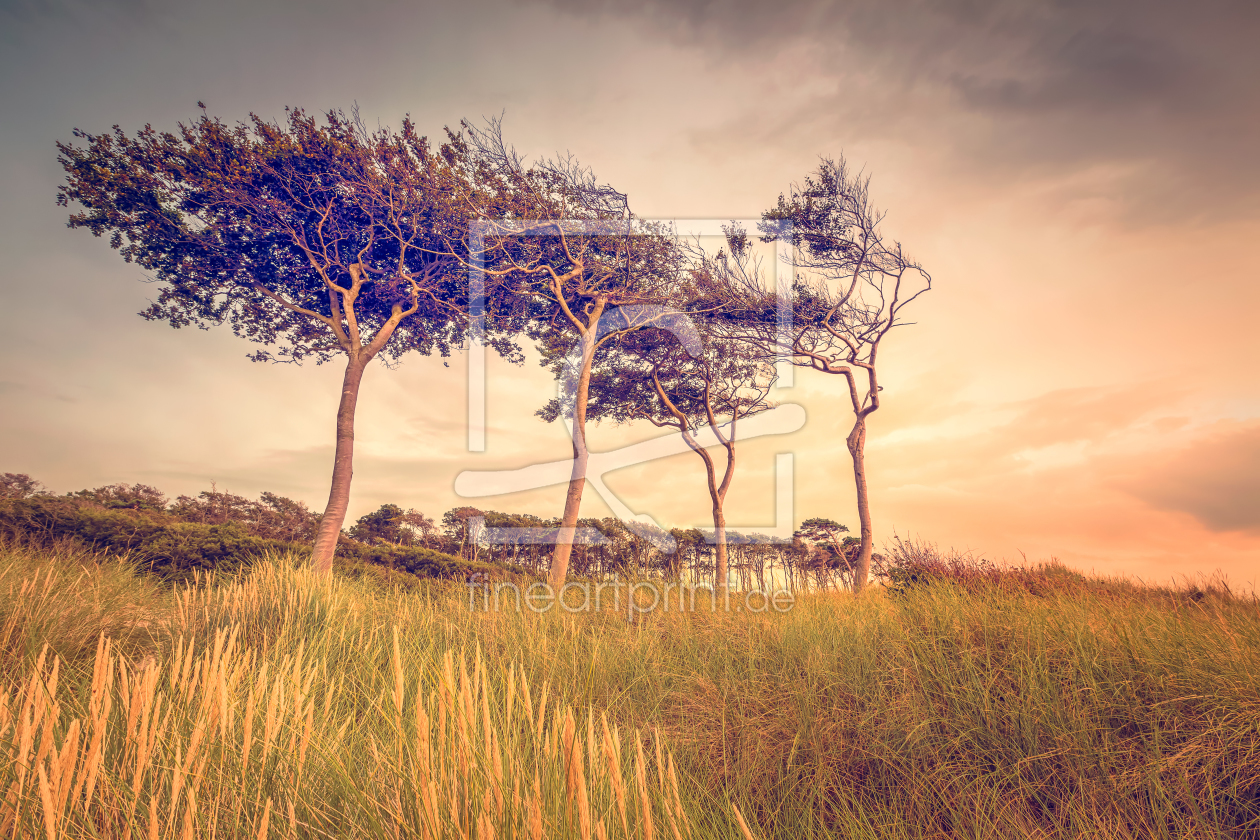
[(1217, 479), (17, 16), (1172, 88)]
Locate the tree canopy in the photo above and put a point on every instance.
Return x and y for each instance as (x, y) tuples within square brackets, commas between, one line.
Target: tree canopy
[(311, 239)]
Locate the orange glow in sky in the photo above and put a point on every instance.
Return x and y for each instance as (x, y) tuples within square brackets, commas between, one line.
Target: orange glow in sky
[(1079, 181)]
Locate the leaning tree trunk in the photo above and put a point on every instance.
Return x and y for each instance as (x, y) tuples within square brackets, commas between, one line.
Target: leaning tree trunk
[(581, 457), (572, 504), (857, 448), (343, 467)]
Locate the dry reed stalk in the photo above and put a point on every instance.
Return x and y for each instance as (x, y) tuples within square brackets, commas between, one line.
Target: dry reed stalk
[(467, 712), (478, 671), (497, 766), (441, 704), (189, 814), (249, 725), (99, 705), (271, 724), (291, 749), (570, 771), (198, 733), (743, 826), (612, 758), (153, 818), (485, 829), (399, 682), (641, 777), (591, 749), (583, 802), (177, 777), (45, 795), (130, 710), (307, 729), (24, 735), (47, 710), (463, 722), (535, 812), (6, 713), (183, 682), (224, 711), (146, 736), (678, 806), (266, 821), (510, 699), (426, 798), (660, 765), (66, 762), (453, 799), (485, 715), (529, 700), (542, 710), (465, 682), (329, 691), (575, 779)]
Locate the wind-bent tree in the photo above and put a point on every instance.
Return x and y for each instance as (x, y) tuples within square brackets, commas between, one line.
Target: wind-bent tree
[(317, 239), (819, 531), (850, 288), (703, 385), (571, 259)]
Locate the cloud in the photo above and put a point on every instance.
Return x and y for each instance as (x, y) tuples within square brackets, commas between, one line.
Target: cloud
[(1166, 92), (971, 447), (1216, 478)]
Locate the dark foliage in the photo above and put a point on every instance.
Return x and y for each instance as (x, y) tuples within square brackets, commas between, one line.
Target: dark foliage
[(174, 550), (157, 542), (18, 486)]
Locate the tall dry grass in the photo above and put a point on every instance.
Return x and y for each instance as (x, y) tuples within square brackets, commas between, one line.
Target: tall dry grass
[(285, 704)]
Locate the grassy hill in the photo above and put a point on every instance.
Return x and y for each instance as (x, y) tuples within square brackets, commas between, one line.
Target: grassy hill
[(273, 703)]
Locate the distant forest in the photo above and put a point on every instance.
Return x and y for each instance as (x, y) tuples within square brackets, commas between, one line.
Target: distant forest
[(819, 555)]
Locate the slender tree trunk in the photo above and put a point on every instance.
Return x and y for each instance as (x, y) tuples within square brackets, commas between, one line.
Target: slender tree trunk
[(343, 467), (581, 457), (722, 574), (857, 448)]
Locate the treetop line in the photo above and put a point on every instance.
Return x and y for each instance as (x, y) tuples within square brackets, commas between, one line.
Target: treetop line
[(321, 238)]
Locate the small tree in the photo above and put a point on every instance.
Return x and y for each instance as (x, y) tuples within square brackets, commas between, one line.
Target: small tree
[(383, 525), (416, 523), (271, 517), (850, 293), (19, 486), (820, 531), (705, 384), (461, 528), (120, 496), (322, 239), (572, 262)]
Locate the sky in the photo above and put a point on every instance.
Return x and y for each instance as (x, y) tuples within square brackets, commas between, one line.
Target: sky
[(1079, 178)]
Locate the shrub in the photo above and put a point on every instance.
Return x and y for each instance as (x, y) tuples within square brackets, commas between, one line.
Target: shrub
[(355, 557), (159, 543), (912, 564), (153, 540)]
